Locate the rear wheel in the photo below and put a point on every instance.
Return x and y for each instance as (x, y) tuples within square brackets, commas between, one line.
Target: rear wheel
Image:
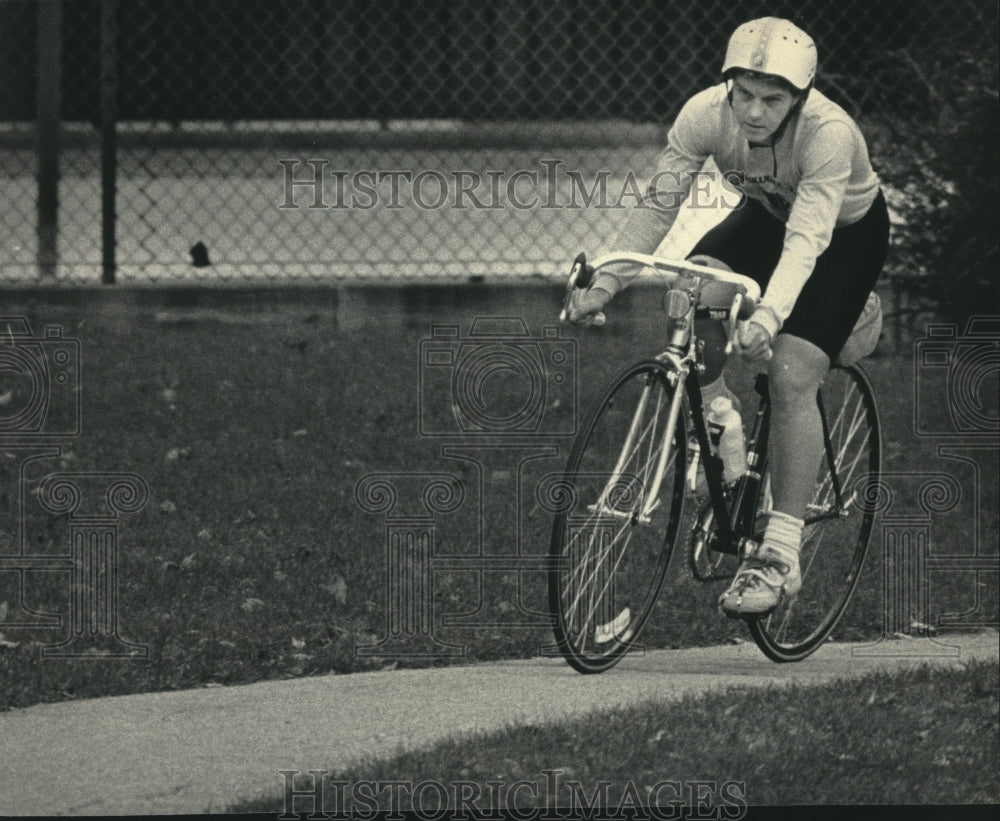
[(614, 531), (838, 520)]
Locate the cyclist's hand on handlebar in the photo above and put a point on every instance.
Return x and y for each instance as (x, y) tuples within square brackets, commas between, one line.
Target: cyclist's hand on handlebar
[(584, 305), (754, 341)]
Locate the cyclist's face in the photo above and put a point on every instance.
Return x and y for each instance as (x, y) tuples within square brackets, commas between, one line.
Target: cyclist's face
[(760, 106)]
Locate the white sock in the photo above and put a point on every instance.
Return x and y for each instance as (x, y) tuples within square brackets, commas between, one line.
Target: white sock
[(783, 535), (718, 388)]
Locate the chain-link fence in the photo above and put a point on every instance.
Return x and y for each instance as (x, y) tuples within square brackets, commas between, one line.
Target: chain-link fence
[(328, 139)]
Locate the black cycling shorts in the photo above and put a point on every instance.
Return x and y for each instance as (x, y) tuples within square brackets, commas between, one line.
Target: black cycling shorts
[(750, 240)]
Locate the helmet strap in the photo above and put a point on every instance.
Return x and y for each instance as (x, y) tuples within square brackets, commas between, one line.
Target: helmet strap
[(796, 107)]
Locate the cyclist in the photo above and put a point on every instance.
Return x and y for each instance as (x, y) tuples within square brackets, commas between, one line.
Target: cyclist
[(812, 228)]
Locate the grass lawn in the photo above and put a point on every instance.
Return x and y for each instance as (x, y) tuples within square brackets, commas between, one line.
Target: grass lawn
[(936, 742), (254, 558)]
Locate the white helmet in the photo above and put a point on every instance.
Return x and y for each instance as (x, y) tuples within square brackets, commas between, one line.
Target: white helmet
[(773, 46)]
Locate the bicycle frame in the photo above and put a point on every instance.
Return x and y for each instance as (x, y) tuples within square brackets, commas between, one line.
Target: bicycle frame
[(645, 406), (652, 499), (682, 357)]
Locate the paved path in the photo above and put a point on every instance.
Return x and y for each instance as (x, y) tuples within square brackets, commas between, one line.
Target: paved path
[(200, 750)]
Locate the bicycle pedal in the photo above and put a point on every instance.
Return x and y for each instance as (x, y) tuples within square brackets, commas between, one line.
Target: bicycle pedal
[(746, 617), (763, 614), (709, 575)]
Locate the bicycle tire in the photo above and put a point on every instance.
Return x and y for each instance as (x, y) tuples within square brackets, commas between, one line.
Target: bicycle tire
[(837, 533), (607, 562)]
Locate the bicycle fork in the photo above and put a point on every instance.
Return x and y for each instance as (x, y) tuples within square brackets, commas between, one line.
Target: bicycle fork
[(638, 431)]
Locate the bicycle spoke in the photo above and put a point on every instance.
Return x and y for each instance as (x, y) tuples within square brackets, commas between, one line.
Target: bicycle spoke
[(614, 542), (785, 617), (837, 529), (620, 542), (848, 453)]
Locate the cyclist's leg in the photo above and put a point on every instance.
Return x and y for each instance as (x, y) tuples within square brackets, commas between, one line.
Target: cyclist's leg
[(796, 441), (845, 274), (713, 333), (794, 452), (749, 240), (810, 340)]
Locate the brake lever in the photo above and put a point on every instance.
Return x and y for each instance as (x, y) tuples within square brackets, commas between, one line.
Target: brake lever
[(579, 277), (734, 315), (734, 325)]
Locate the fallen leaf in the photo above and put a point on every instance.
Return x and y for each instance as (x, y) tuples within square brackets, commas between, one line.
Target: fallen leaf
[(923, 629), (168, 507), (338, 589)]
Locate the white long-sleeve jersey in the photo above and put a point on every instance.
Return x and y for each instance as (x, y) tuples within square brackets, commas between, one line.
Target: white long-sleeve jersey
[(816, 177)]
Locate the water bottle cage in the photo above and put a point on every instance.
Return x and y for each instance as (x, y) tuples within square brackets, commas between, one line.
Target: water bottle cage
[(715, 434)]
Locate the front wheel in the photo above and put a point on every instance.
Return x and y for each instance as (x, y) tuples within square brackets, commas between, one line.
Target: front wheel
[(620, 505), (838, 522)]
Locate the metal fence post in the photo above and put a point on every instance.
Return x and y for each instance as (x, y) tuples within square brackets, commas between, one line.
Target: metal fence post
[(109, 137), (48, 110)]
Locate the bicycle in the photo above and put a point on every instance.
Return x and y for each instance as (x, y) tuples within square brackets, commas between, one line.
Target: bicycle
[(623, 493)]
